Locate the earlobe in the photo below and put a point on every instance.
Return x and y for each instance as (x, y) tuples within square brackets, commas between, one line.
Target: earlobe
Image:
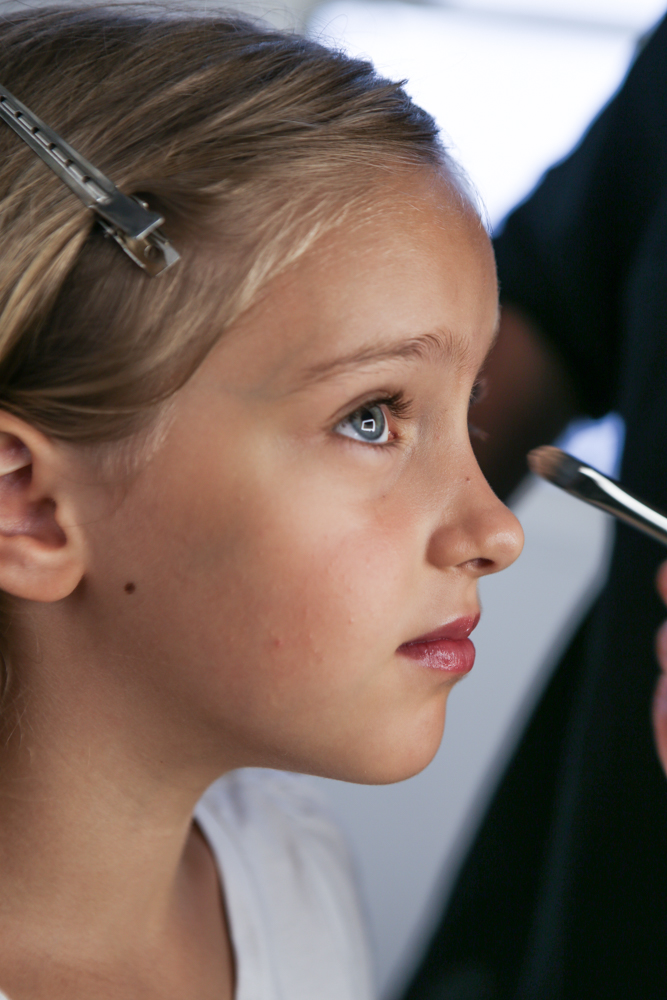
[(40, 555)]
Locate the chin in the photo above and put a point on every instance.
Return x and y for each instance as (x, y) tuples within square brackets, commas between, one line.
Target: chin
[(397, 756)]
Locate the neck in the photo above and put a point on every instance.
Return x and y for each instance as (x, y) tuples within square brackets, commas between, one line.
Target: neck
[(95, 807)]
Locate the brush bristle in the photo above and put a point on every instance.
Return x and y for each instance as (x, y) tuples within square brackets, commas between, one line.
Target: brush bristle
[(554, 465)]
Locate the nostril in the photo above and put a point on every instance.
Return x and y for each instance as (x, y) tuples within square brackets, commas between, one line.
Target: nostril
[(480, 565)]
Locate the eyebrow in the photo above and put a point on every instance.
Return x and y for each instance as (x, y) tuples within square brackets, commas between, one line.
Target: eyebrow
[(438, 345)]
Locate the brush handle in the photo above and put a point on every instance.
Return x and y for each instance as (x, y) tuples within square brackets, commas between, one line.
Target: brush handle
[(594, 488)]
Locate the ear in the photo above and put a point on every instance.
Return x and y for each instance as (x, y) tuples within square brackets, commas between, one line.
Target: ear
[(41, 547)]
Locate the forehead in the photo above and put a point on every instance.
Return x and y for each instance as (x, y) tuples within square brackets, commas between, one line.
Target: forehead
[(417, 269)]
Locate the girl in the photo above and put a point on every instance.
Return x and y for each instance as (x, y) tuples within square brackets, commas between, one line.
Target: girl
[(241, 524)]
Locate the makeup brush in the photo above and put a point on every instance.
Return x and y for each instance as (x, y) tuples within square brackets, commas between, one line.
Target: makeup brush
[(585, 483)]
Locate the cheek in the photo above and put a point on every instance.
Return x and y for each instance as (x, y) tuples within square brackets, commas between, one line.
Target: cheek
[(289, 608), (274, 616), (319, 610), (304, 583)]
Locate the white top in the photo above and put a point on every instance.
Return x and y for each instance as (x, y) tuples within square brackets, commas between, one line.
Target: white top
[(292, 907), (293, 912)]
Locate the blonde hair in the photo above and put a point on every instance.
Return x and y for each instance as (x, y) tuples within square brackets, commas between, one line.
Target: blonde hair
[(249, 141)]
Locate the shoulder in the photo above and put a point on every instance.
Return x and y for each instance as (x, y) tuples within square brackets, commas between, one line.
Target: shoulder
[(288, 884)]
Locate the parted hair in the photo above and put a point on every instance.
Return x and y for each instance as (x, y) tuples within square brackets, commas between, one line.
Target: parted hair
[(250, 142)]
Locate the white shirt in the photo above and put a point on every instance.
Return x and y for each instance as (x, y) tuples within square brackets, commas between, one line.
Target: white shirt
[(292, 908), (293, 912)]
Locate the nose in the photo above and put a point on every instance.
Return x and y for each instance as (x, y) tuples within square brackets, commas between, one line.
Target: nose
[(476, 531)]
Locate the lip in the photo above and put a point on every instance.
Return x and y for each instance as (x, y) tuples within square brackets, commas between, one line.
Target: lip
[(448, 648)]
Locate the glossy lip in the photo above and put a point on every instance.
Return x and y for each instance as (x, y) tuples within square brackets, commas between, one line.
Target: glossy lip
[(447, 648), (458, 629)]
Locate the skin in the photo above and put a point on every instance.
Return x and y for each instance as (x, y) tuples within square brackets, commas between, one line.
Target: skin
[(276, 565)]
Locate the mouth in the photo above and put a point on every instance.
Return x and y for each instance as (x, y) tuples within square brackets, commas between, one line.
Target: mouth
[(448, 648)]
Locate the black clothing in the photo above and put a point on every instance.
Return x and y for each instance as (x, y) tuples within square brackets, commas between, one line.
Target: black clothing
[(564, 893)]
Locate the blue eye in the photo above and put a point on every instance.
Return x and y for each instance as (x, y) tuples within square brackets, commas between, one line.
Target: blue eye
[(368, 424)]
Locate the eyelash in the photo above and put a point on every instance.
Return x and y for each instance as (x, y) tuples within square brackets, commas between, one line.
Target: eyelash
[(398, 405), (477, 394), (478, 391)]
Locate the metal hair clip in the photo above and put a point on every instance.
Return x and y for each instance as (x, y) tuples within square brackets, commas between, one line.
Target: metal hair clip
[(128, 220)]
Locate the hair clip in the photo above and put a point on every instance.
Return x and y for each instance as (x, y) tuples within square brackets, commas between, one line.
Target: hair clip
[(127, 219)]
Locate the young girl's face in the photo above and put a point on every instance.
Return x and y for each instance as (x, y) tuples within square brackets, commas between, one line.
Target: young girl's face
[(315, 506)]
